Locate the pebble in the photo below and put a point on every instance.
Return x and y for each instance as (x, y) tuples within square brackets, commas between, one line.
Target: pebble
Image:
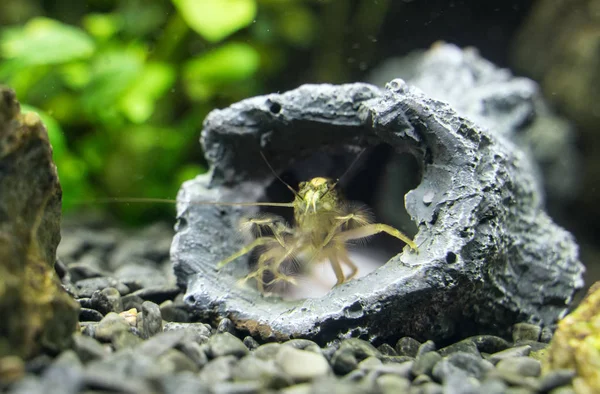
[(110, 325), (87, 314), (107, 300), (556, 378), (225, 344), (172, 313), (350, 353), (465, 346), (426, 347), (302, 365), (525, 332), (250, 343), (157, 294), (524, 366), (218, 370), (152, 321), (392, 384), (407, 346), (88, 348), (509, 353), (424, 363), (226, 325)]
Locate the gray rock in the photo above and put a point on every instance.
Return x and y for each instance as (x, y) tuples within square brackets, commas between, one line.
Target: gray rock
[(524, 366), (218, 370), (424, 363), (403, 370), (226, 325), (132, 301), (195, 352), (556, 378), (470, 365), (199, 331), (526, 332), (267, 351), (87, 287), (493, 386), (225, 344), (172, 313), (464, 346), (517, 351), (250, 343), (251, 368), (157, 294), (350, 353), (304, 344), (110, 325), (546, 335), (173, 361), (87, 314), (386, 350), (489, 343), (143, 273), (107, 300), (152, 323), (183, 383), (65, 375), (237, 388), (88, 348), (407, 346), (125, 340), (485, 215), (431, 388), (426, 347)]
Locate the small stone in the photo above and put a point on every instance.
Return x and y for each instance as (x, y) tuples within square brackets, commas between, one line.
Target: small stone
[(226, 344), (80, 271), (251, 368), (125, 340), (525, 332), (304, 344), (88, 328), (172, 313), (152, 323), (302, 365), (424, 363), (369, 363), (250, 343), (546, 335), (110, 325), (195, 352), (267, 351), (396, 359), (386, 350), (493, 386), (88, 348), (407, 346), (489, 343), (226, 325), (468, 364), (218, 370), (64, 375), (403, 370), (107, 300), (421, 379), (247, 387), (524, 366), (556, 378), (12, 369), (201, 330), (350, 353), (131, 301), (514, 379), (392, 384), (131, 316), (465, 346), (87, 287), (157, 294), (174, 361), (426, 347), (86, 314), (184, 382), (518, 351), (431, 388)]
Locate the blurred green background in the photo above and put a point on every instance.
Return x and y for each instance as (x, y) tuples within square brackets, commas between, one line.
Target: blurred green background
[(123, 86)]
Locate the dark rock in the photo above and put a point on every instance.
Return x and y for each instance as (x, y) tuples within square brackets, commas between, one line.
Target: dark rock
[(132, 301), (526, 332), (486, 215), (424, 363), (182, 383), (85, 302), (250, 343), (218, 370), (152, 323), (524, 366), (489, 343), (42, 314), (157, 294), (226, 325), (350, 353), (470, 364), (195, 352), (142, 273), (225, 344), (407, 346), (465, 346), (171, 313), (107, 300), (81, 271), (87, 287), (86, 314), (387, 350)]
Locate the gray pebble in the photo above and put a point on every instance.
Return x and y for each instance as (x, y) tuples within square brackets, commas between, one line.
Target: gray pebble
[(524, 366), (250, 343), (125, 339), (393, 384), (302, 365), (464, 346), (87, 287), (131, 301), (267, 351), (472, 365), (424, 363), (350, 353), (407, 346), (369, 363), (514, 379), (563, 390), (157, 294), (247, 387), (86, 314), (493, 386), (387, 350), (266, 372), (518, 351), (431, 388), (88, 328), (195, 352), (145, 274), (170, 312), (110, 325), (152, 319), (182, 383), (421, 379), (107, 300), (556, 378), (80, 271), (226, 325), (303, 344), (403, 370), (88, 348), (226, 344), (218, 370), (489, 343), (426, 347), (525, 332), (173, 361), (64, 375), (201, 330), (546, 335)]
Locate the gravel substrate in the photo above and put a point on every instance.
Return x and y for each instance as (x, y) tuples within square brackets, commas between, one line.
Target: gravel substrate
[(138, 337)]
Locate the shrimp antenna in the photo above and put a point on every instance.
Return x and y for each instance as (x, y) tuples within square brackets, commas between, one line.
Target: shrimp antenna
[(345, 172), (277, 176), (110, 200)]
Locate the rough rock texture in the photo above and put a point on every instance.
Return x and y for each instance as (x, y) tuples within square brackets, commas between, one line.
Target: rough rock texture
[(488, 254), (36, 311), (576, 343), (497, 100)]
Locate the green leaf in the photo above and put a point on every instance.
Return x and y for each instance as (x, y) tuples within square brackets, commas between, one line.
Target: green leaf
[(227, 64), (45, 41), (154, 81), (102, 26), (216, 19)]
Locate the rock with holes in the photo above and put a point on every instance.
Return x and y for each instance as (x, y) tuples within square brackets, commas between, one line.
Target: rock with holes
[(488, 255), (36, 311)]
